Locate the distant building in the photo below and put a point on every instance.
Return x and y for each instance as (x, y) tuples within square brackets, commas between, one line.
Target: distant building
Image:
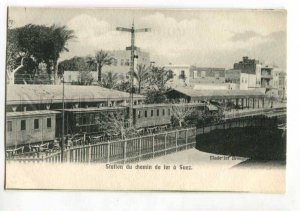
[(282, 85), (232, 76), (246, 73), (121, 63), (180, 75), (73, 76), (246, 65), (207, 75)]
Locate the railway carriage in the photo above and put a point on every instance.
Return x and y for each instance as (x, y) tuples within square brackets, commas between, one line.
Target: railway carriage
[(86, 120), (30, 127)]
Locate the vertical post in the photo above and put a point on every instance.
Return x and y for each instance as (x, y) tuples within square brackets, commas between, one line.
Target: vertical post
[(153, 139), (63, 121), (131, 75), (140, 148), (90, 153), (176, 139), (166, 143), (108, 152), (253, 102), (68, 155), (186, 138), (242, 103), (258, 102), (125, 150), (263, 102)]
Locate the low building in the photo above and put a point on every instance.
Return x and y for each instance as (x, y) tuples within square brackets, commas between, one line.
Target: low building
[(50, 97), (245, 98)]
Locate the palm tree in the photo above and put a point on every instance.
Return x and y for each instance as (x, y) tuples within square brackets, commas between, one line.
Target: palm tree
[(141, 75), (101, 59), (60, 35), (109, 80)]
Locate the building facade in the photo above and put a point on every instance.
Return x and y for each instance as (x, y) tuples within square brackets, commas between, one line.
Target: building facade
[(207, 75), (121, 62), (180, 75)]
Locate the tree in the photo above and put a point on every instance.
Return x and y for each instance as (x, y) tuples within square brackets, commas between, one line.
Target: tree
[(157, 81), (155, 96), (159, 77), (85, 77), (109, 80), (181, 112), (75, 64), (59, 37), (38, 42), (101, 59), (141, 75), (115, 123)]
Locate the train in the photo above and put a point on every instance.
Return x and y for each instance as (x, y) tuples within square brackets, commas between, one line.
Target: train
[(38, 126)]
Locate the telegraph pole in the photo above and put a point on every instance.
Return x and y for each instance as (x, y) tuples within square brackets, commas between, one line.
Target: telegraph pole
[(132, 30)]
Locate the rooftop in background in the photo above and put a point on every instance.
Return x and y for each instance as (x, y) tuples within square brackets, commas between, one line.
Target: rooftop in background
[(217, 93), (53, 94), (31, 113)]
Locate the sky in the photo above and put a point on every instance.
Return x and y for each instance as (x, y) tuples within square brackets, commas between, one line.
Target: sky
[(206, 38)]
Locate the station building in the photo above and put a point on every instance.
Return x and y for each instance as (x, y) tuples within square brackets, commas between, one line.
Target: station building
[(243, 98)]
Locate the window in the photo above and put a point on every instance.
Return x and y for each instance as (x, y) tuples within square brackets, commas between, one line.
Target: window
[(151, 112), (9, 126), (48, 122), (203, 73), (146, 114), (23, 124), (182, 74), (36, 124), (169, 112), (115, 62), (195, 73), (163, 112), (139, 114), (157, 112)]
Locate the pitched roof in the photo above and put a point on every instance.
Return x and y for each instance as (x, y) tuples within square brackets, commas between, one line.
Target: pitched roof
[(218, 93), (26, 94)]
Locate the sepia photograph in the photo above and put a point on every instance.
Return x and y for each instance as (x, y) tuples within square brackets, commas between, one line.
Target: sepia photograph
[(146, 99)]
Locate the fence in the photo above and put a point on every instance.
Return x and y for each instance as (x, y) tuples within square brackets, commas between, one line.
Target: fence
[(121, 151), (247, 121)]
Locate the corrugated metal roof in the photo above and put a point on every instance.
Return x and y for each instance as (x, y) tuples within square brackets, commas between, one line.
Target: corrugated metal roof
[(24, 94), (31, 113), (218, 93)]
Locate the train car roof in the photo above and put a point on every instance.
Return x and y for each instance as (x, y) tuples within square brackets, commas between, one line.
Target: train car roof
[(31, 113), (93, 109), (30, 94)]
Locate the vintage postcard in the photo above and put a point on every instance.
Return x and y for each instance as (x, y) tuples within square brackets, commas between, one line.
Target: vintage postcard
[(146, 99)]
